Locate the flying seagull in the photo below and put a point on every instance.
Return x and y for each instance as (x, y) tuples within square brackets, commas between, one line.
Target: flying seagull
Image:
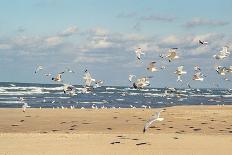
[(138, 53), (98, 83), (57, 78), (87, 78), (142, 82), (179, 72), (131, 77), (38, 68), (198, 76), (171, 54), (203, 42), (69, 89), (223, 53), (155, 117), (151, 67)]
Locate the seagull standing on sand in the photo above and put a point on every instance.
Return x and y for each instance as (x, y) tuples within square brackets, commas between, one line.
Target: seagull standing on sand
[(179, 72), (138, 53), (38, 68), (155, 117), (151, 67), (25, 106), (223, 53)]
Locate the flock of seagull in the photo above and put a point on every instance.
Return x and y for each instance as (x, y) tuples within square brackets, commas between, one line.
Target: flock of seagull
[(173, 55), (91, 83)]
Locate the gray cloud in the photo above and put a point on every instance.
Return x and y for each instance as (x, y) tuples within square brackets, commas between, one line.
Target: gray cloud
[(160, 18), (195, 22)]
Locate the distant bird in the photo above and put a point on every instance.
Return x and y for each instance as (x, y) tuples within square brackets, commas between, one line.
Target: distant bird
[(197, 68), (131, 77), (38, 68), (25, 106), (57, 78), (151, 67), (142, 82), (98, 83), (203, 42), (48, 74), (198, 76), (69, 89), (221, 70), (179, 72), (155, 117), (171, 54), (223, 53), (69, 70), (87, 78), (138, 53)]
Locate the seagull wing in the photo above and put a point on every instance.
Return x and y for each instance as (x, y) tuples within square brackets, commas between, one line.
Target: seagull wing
[(149, 122)]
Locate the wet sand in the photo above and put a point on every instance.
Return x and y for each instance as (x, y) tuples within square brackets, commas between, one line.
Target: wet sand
[(185, 130)]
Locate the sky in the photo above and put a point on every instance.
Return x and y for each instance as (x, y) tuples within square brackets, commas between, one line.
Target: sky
[(101, 36)]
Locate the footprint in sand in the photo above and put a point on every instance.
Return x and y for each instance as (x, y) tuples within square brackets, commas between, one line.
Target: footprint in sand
[(73, 126), (135, 139), (54, 130), (230, 131), (62, 122), (228, 128), (86, 123), (138, 144), (170, 127), (115, 117), (71, 129), (191, 127), (221, 130), (44, 132), (197, 129), (175, 137), (182, 131), (158, 129), (109, 128), (22, 120), (117, 142), (211, 128), (14, 125), (204, 123), (188, 119)]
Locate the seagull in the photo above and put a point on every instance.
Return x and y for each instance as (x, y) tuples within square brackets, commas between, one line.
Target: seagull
[(203, 42), (171, 54), (131, 77), (198, 76), (138, 53), (48, 74), (221, 70), (69, 89), (223, 53), (38, 68), (69, 70), (58, 77), (151, 67), (197, 68), (154, 118), (142, 82), (179, 72), (25, 106), (98, 83), (87, 78)]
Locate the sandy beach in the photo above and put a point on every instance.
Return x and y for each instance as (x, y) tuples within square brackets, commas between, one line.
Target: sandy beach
[(195, 130)]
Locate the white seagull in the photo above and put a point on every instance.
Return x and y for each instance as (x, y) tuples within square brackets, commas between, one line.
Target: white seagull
[(25, 106), (131, 77), (198, 76), (155, 117), (98, 83), (223, 53), (171, 54), (138, 53), (142, 82), (38, 68), (179, 72), (87, 78), (151, 67)]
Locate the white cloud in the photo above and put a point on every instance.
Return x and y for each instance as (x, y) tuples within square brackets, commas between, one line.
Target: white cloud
[(53, 41), (69, 31), (195, 22)]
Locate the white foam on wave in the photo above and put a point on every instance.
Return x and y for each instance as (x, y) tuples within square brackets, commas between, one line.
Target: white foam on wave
[(110, 88)]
